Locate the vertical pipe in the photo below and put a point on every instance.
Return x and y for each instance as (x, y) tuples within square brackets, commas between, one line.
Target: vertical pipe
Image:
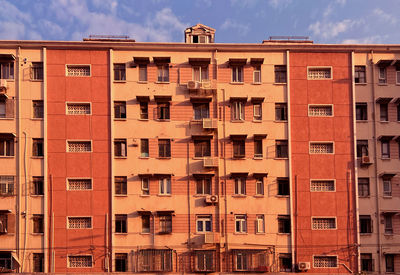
[(111, 180), (106, 259), (224, 188), (53, 256), (26, 206), (18, 160), (188, 193)]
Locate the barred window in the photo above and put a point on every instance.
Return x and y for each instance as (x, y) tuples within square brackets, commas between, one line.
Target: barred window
[(79, 222), (321, 148), (80, 261), (325, 261), (319, 73), (78, 70), (322, 186), (78, 108), (320, 110), (79, 184), (323, 223), (79, 146), (6, 185)]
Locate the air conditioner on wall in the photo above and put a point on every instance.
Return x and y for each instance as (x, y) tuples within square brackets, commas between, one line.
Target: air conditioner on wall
[(211, 199), (191, 85), (304, 266), (365, 160)]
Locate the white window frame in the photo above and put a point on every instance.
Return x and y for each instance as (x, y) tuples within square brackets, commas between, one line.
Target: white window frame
[(238, 110), (242, 220), (80, 178), (204, 219), (382, 75), (321, 142), (257, 117), (337, 263), (385, 143), (78, 103), (322, 68), (240, 182), (320, 105), (202, 70), (235, 71), (322, 180), (203, 181), (260, 180), (323, 217), (85, 217), (164, 186), (145, 191), (78, 65), (84, 255), (260, 223), (257, 70), (75, 140), (388, 192)]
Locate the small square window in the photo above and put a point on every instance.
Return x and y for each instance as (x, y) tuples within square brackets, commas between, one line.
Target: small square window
[(322, 186), (202, 148), (144, 148), (203, 223), (7, 186), (283, 223), (281, 147), (321, 148), (361, 111), (120, 109), (165, 223), (163, 73), (367, 263), (78, 108), (119, 72), (201, 110), (37, 147), (79, 146), (325, 261), (37, 71), (37, 108), (164, 148), (143, 72), (320, 110), (38, 223), (80, 261), (7, 70), (7, 146), (319, 73), (240, 223), (79, 184), (365, 224), (237, 74), (145, 186), (121, 185), (280, 73), (323, 223), (121, 262), (360, 74), (79, 222), (363, 187), (281, 111), (121, 223), (283, 186), (362, 148), (203, 186), (120, 148), (163, 110), (200, 73), (78, 70), (38, 186)]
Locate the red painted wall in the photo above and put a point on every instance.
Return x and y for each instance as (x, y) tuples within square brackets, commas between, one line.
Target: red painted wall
[(93, 203), (338, 166)]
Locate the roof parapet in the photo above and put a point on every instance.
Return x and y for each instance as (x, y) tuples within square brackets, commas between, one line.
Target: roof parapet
[(109, 38), (288, 39)]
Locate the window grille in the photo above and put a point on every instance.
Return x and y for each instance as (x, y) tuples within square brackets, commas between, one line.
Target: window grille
[(78, 70), (322, 186), (320, 110), (80, 261), (325, 261), (78, 108), (319, 73), (79, 184), (79, 222), (321, 148), (323, 223), (79, 146), (155, 260)]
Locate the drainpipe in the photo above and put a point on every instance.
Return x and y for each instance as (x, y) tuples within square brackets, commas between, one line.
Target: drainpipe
[(111, 180), (224, 188), (18, 160), (188, 193), (26, 206)]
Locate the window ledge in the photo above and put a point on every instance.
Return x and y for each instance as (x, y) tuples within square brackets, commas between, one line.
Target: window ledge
[(144, 157), (258, 196), (143, 119), (8, 157), (280, 121), (280, 83), (240, 233), (121, 195), (384, 121), (281, 158), (282, 233), (387, 197), (258, 158), (362, 121), (6, 118), (257, 120), (382, 84), (37, 118), (163, 158), (162, 82), (366, 234), (142, 82), (388, 234), (361, 84), (37, 157), (161, 195), (201, 195), (385, 158), (256, 83), (120, 157), (119, 81), (282, 196), (239, 196), (119, 119), (164, 233), (236, 83), (163, 120), (35, 196), (146, 196), (121, 233), (200, 158), (37, 234), (237, 121), (363, 197), (260, 233), (239, 158), (145, 233)]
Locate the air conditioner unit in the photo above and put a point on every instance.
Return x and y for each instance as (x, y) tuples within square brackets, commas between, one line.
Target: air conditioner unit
[(211, 199), (206, 84), (209, 123), (304, 266), (3, 84), (210, 162), (209, 238), (191, 85), (365, 160)]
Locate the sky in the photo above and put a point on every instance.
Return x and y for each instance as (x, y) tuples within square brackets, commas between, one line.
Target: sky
[(235, 21)]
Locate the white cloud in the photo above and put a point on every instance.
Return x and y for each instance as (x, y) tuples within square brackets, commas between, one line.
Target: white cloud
[(341, 2), (375, 39), (327, 30), (279, 3), (388, 18), (241, 29), (11, 30)]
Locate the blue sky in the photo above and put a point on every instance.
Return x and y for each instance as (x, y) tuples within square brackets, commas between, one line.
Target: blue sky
[(235, 21)]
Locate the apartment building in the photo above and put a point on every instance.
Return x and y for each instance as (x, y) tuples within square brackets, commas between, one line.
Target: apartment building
[(121, 156)]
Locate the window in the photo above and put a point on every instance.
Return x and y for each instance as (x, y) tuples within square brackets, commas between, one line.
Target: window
[(119, 72), (78, 108), (285, 262), (6, 107), (281, 147), (385, 149), (38, 262), (80, 261), (163, 73), (237, 74), (387, 187), (362, 148), (38, 223), (280, 111), (120, 148), (204, 260), (367, 263), (242, 261), (240, 223), (280, 73), (144, 148), (143, 72), (260, 186), (260, 224), (121, 223), (203, 186), (382, 75), (257, 111), (144, 110), (323, 223), (283, 224), (79, 146), (145, 223), (121, 262), (145, 186), (165, 186), (322, 186), (202, 148), (325, 261), (359, 74), (240, 186), (388, 221), (383, 108), (361, 111), (37, 186), (283, 186), (163, 110), (7, 185), (165, 223), (239, 148), (37, 108), (258, 148), (120, 109), (155, 260), (121, 185), (200, 73), (78, 70), (79, 222), (37, 71), (321, 148), (164, 148), (4, 225), (389, 262), (363, 187), (7, 146), (2, 107), (203, 223), (257, 74), (320, 110), (200, 39), (319, 73), (201, 110), (365, 224), (79, 184), (398, 111), (237, 109), (397, 75), (37, 147), (7, 70)]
